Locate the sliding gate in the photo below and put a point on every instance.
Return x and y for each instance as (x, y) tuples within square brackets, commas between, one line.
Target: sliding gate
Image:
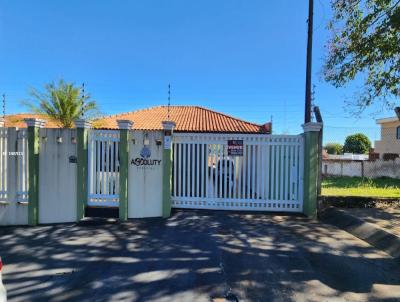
[(238, 172)]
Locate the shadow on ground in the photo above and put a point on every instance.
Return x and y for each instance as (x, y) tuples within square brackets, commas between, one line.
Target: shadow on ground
[(196, 256)]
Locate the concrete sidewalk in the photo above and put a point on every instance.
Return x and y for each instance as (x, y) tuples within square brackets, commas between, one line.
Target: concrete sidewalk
[(379, 227), (386, 218)]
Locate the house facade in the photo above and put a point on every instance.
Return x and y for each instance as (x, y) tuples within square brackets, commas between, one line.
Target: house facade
[(144, 163), (388, 147)]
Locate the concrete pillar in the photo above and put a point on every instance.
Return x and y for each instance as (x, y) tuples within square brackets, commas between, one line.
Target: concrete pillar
[(33, 161), (311, 134), (124, 127), (168, 127), (82, 129)]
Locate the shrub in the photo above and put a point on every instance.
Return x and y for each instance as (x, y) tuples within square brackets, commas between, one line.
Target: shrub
[(334, 148)]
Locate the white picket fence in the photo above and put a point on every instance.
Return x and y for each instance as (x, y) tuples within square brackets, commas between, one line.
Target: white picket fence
[(103, 166), (268, 177)]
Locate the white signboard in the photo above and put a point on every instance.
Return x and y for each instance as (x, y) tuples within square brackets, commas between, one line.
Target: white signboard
[(167, 142)]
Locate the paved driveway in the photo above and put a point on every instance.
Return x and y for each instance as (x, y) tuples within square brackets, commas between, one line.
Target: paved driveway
[(196, 256)]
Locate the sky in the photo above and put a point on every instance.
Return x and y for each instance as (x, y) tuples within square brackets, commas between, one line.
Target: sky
[(244, 58)]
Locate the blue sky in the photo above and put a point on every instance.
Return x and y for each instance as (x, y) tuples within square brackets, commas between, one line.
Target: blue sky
[(244, 58)]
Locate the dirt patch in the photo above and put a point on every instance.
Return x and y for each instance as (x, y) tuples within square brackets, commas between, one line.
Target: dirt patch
[(359, 202)]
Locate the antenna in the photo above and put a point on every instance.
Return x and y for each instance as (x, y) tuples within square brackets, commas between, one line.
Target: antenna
[(169, 100), (83, 98), (4, 106)]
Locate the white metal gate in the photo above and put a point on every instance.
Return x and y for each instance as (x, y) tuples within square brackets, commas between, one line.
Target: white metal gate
[(3, 163), (22, 165), (103, 165), (14, 156), (268, 177)]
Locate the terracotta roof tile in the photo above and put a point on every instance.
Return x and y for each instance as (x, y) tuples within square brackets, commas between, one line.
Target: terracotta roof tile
[(17, 120), (187, 119)]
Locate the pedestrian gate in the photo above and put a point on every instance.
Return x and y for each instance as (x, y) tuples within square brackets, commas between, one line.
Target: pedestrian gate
[(103, 166), (266, 173)]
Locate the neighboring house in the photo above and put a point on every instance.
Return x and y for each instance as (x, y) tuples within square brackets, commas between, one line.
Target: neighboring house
[(389, 145), (187, 119)]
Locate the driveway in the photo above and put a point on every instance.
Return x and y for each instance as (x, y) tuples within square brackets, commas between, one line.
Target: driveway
[(196, 256)]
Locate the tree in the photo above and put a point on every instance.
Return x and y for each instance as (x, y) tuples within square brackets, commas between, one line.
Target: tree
[(365, 42), (357, 143), (334, 148), (62, 102)]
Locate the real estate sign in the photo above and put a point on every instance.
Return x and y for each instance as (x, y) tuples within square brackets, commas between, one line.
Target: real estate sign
[(235, 147)]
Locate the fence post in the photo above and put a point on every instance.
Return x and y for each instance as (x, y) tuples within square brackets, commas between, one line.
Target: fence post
[(311, 160), (124, 127), (33, 158), (82, 128), (168, 127)]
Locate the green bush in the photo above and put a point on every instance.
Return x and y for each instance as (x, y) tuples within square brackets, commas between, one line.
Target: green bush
[(357, 143), (334, 148)]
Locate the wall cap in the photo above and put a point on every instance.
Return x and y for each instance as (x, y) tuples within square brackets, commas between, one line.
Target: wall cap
[(312, 127), (82, 123), (168, 125), (35, 122), (125, 124)]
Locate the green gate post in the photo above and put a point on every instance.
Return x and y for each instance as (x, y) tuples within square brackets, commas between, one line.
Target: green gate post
[(82, 129), (33, 163), (124, 127), (311, 132), (168, 126)]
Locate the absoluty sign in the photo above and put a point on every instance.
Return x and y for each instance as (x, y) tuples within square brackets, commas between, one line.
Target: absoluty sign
[(144, 159), (145, 162)]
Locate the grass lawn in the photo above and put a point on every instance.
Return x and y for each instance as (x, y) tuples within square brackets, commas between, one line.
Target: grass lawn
[(357, 186)]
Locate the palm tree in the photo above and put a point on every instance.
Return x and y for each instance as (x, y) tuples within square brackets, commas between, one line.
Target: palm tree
[(62, 102)]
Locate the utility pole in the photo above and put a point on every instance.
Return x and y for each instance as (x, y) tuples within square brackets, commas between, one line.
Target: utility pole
[(307, 116)]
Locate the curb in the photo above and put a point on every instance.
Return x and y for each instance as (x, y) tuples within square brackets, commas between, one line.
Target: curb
[(366, 231)]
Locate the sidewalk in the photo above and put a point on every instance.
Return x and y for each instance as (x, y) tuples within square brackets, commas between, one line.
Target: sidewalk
[(387, 218), (378, 226)]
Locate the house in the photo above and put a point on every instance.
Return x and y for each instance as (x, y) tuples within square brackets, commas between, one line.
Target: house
[(389, 145), (131, 165), (193, 119)]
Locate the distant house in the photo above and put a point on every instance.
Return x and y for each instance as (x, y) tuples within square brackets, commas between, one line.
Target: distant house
[(187, 119), (389, 145)]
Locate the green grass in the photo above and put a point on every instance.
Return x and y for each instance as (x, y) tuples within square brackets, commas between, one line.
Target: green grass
[(357, 186)]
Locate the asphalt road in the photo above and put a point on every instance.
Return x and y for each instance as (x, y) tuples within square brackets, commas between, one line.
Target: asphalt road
[(196, 256)]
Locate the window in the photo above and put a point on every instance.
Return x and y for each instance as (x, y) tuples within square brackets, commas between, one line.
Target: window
[(398, 132)]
